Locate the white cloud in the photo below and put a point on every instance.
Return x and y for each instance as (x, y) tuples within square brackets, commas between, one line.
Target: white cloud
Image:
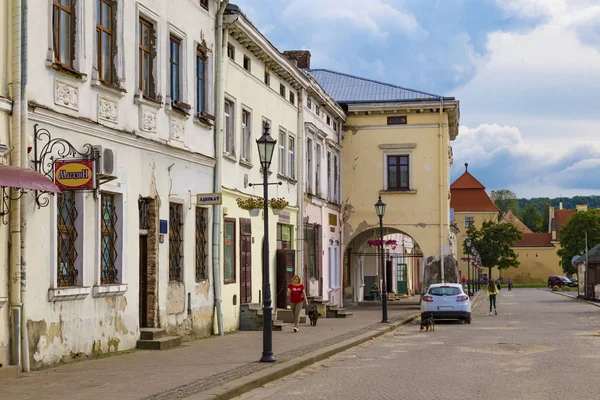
[(376, 17), (533, 8)]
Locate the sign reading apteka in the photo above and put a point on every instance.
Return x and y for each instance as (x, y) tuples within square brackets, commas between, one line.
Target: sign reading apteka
[(75, 174)]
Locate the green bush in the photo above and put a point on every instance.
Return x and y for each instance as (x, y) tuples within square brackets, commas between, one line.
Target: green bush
[(555, 288), (566, 289)]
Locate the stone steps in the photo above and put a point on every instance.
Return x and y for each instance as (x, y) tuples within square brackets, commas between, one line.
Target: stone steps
[(156, 339), (338, 312)]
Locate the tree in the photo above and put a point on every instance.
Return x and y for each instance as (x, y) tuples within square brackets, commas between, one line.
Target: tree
[(545, 216), (572, 237), (532, 218), (506, 200), (493, 244)]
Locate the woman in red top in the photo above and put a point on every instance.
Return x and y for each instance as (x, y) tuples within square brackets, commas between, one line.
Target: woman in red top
[(297, 296)]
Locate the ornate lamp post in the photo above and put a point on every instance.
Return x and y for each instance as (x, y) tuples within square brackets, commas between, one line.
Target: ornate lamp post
[(266, 147), (380, 210)]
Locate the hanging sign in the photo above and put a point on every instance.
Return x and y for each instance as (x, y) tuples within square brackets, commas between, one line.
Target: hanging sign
[(75, 174), (209, 199)]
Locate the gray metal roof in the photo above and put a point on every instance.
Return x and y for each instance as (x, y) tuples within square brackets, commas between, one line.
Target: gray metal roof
[(593, 255), (346, 88)]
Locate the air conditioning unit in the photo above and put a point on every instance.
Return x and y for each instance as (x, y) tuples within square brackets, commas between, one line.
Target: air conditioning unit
[(106, 163)]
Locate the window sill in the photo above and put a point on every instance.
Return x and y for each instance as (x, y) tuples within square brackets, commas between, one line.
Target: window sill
[(178, 108), (397, 192), (112, 89), (282, 177), (68, 71), (293, 181), (113, 290), (3, 301), (203, 121), (230, 157), (246, 164), (68, 293), (229, 282), (146, 101)]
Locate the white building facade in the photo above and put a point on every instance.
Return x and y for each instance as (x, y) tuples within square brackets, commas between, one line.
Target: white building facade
[(129, 85)]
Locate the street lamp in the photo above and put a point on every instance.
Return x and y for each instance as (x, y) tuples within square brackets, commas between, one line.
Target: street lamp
[(266, 147), (468, 243), (380, 210)]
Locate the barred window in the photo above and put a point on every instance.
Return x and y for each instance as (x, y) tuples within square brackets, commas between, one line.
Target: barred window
[(175, 242), (108, 240), (66, 237), (201, 241)]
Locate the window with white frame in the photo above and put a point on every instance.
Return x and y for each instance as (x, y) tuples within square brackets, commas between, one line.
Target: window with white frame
[(247, 63), (229, 128), (318, 157), (329, 177), (398, 172), (469, 221), (309, 103), (110, 238), (147, 56), (246, 135), (63, 31), (105, 41), (281, 142), (336, 180), (291, 157), (309, 165), (69, 234)]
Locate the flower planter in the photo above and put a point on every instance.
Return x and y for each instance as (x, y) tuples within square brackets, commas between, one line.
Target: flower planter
[(277, 211), (254, 212)]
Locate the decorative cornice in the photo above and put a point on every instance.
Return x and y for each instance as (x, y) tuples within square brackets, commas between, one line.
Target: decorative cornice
[(398, 146), (121, 137)]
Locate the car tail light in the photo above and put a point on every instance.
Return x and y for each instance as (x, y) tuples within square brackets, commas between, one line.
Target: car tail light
[(428, 298), (462, 298)]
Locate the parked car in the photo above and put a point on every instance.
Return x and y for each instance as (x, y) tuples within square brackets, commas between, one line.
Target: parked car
[(446, 301), (574, 281), (560, 281)]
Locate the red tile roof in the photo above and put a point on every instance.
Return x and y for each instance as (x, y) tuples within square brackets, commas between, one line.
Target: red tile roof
[(535, 240), (468, 194), (560, 219)]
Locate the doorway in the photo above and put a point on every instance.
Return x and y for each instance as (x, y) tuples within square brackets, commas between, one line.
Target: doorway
[(148, 262), (245, 261)]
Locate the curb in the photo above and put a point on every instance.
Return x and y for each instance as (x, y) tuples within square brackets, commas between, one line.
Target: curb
[(593, 303), (278, 371)]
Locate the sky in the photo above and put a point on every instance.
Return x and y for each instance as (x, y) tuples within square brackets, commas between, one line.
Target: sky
[(526, 73)]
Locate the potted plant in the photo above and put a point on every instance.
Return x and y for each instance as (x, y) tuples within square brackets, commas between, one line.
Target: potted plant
[(252, 204), (278, 204)]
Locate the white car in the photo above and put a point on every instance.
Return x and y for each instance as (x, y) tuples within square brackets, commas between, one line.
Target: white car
[(446, 301)]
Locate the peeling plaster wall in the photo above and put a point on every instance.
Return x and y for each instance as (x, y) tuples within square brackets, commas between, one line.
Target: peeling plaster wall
[(417, 212)]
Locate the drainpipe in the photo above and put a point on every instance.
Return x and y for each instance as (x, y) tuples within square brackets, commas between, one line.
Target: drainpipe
[(300, 187), (217, 213), (15, 206), (24, 116), (441, 136)]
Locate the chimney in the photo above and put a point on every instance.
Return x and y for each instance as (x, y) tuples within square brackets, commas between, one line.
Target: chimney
[(493, 197), (581, 207), (301, 57), (560, 205)]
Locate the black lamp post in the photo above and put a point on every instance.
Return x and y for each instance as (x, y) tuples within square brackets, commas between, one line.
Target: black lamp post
[(380, 210), (266, 147)]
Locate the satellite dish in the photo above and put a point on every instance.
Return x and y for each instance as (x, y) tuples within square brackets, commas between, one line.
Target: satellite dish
[(573, 260)]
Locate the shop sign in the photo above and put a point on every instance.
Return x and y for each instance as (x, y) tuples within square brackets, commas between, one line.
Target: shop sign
[(284, 216), (208, 199), (75, 174)]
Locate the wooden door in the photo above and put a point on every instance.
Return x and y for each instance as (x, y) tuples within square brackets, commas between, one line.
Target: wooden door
[(245, 261), (143, 311)]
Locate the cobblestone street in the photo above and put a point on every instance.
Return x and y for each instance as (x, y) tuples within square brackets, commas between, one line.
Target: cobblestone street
[(540, 346)]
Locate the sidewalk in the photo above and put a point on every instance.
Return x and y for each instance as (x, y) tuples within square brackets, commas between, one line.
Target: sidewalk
[(216, 367)]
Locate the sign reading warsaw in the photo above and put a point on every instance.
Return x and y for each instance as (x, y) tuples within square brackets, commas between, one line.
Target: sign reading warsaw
[(207, 199), (74, 174)]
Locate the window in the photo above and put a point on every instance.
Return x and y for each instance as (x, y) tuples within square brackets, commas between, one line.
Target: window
[(229, 250), (201, 241), (309, 163), (396, 120), (335, 126), (229, 127), (175, 242), (66, 239), (292, 97), (336, 180), (267, 77), (200, 82), (204, 3), (397, 173), (469, 221), (308, 103), (246, 135), (63, 31), (105, 44), (291, 157), (329, 178), (282, 90), (284, 236), (108, 240), (318, 157), (282, 153), (231, 51), (247, 64), (318, 110), (146, 40), (175, 67), (328, 120)]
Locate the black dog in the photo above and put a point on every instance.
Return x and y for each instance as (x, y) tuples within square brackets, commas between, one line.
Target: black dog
[(313, 315), (428, 323)]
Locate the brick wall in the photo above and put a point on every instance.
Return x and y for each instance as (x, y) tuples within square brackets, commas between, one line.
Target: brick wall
[(301, 57)]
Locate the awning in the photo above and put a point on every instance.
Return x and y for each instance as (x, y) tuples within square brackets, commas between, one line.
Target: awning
[(25, 178)]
